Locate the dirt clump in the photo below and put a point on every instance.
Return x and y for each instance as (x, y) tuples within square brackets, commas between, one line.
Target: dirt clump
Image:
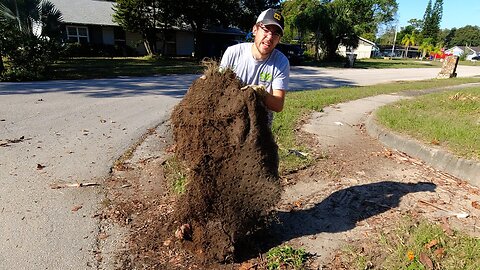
[(222, 135)]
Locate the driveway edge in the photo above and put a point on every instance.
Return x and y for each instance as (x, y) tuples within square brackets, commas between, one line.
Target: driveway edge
[(440, 159)]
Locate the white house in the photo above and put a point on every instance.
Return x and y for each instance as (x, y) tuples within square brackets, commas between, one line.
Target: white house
[(365, 49), (461, 50)]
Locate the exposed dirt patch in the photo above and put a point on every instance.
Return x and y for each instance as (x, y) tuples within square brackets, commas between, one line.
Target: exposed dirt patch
[(357, 191)]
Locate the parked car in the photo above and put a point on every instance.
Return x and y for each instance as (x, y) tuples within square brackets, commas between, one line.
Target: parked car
[(293, 52), (475, 58)]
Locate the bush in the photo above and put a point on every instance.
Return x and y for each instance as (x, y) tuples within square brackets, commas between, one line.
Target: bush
[(28, 56), (100, 50)]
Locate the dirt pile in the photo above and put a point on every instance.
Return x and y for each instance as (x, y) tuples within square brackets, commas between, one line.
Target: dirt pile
[(222, 135)]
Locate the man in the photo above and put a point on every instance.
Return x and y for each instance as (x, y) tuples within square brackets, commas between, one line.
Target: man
[(259, 63)]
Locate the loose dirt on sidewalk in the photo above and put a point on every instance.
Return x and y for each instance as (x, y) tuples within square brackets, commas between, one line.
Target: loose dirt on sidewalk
[(355, 190)]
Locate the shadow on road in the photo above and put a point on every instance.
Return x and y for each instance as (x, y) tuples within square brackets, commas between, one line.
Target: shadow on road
[(174, 85), (307, 78)]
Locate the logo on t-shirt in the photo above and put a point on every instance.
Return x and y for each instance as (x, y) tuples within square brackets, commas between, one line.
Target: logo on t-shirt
[(265, 76)]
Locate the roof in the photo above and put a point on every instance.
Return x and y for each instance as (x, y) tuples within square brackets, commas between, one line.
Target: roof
[(367, 41), (466, 49), (86, 11)]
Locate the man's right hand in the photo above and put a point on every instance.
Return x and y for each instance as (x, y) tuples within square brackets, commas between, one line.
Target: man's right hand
[(258, 89)]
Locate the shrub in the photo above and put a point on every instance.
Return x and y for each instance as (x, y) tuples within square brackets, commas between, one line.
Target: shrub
[(28, 56)]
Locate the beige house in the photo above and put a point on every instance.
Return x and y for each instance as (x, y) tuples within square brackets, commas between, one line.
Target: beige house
[(90, 24), (365, 49)]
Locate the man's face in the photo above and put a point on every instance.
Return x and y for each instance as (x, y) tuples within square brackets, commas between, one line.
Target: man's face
[(266, 38)]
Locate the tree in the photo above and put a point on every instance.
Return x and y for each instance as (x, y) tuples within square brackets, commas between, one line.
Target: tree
[(409, 40), (468, 35), (29, 53), (331, 23), (248, 11), (431, 20), (426, 46), (138, 16)]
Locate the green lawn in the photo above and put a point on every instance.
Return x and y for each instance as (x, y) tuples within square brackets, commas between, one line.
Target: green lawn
[(87, 68), (450, 120)]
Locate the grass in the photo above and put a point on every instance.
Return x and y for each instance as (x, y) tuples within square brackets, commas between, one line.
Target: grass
[(380, 63), (410, 243), (96, 67), (286, 257), (300, 104), (176, 175), (450, 120)]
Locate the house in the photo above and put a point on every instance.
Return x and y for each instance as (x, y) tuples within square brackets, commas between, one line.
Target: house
[(90, 23), (398, 51), (469, 52), (365, 49)]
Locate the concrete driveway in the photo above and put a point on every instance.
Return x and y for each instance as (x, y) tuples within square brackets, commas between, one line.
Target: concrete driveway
[(64, 132)]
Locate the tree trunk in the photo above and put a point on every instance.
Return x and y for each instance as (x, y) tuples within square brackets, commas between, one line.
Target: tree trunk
[(2, 67), (148, 47), (406, 52)]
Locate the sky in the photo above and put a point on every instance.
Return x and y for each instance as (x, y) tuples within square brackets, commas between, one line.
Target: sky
[(456, 13)]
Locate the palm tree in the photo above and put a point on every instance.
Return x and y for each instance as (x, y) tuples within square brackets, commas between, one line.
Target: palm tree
[(26, 14), (23, 15), (426, 46), (409, 40)]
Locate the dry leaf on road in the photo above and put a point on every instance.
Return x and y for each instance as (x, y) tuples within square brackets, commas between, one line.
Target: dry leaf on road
[(476, 204), (76, 208)]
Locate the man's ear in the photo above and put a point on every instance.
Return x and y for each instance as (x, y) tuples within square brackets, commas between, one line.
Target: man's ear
[(254, 29)]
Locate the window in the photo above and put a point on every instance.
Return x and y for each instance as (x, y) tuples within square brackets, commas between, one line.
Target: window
[(78, 34)]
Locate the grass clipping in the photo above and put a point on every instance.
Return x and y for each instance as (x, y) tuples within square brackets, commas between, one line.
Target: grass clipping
[(221, 133)]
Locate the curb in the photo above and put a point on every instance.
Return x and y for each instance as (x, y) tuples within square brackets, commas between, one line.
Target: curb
[(439, 159)]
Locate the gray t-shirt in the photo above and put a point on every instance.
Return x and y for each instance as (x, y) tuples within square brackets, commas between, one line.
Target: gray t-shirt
[(273, 72)]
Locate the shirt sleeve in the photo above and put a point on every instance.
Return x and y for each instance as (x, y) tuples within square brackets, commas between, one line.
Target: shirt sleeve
[(282, 75), (227, 57)]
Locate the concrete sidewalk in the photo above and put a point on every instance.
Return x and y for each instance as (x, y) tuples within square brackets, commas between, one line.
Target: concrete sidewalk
[(360, 112)]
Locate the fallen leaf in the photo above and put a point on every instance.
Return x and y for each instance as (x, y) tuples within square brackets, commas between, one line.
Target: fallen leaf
[(435, 142), (102, 236), (426, 261), (246, 266), (40, 167), (431, 244), (476, 204), (439, 252), (446, 227), (76, 208), (297, 204), (167, 242)]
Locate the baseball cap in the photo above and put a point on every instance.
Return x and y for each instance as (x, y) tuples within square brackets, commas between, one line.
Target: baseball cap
[(271, 17)]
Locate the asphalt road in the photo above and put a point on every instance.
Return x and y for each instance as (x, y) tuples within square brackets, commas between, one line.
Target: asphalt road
[(72, 131)]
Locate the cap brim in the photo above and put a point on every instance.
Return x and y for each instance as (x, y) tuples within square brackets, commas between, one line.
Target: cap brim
[(272, 22)]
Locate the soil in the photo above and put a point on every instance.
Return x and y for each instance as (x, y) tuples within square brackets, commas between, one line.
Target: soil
[(221, 134), (356, 190)]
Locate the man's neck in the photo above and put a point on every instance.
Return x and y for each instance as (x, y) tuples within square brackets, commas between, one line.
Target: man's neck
[(257, 55)]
